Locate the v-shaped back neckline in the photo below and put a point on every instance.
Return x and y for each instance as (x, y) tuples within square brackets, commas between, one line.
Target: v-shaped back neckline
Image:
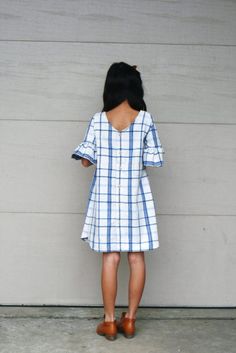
[(127, 127)]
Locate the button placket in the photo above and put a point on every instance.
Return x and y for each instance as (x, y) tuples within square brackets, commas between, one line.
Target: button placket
[(119, 165), (119, 183)]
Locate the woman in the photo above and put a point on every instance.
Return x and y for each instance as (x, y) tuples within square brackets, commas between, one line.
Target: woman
[(121, 141)]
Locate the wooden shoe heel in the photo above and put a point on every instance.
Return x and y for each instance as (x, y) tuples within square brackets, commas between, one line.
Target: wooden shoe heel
[(110, 338), (127, 335)]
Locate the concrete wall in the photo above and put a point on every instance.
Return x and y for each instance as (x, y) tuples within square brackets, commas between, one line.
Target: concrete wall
[(54, 56)]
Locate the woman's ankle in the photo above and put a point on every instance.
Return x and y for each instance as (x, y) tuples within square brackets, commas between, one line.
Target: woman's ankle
[(109, 317), (130, 315)]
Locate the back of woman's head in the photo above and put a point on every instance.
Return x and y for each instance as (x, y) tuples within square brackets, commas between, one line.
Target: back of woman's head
[(123, 82)]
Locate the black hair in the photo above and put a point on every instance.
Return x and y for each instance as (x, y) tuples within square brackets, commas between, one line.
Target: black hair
[(123, 81)]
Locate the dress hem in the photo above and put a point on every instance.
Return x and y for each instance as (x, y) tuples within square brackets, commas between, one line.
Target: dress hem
[(85, 239)]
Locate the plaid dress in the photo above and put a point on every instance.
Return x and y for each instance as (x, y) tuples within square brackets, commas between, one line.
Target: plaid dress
[(120, 212)]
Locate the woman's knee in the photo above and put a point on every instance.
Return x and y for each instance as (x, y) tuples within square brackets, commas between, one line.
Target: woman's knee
[(134, 257), (113, 257)]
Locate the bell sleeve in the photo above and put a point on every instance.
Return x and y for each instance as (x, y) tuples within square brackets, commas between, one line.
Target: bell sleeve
[(87, 148), (153, 150)]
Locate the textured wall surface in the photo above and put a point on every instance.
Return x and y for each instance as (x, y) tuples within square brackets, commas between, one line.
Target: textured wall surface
[(54, 56)]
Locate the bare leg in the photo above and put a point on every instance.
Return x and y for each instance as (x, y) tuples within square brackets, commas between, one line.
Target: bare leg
[(136, 281), (110, 264)]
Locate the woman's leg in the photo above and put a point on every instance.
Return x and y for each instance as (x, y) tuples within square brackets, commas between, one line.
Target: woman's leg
[(110, 264), (136, 281)]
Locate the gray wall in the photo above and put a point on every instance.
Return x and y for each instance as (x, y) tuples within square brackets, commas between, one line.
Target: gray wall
[(54, 56)]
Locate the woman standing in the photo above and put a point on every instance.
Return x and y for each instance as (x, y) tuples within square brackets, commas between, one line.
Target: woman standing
[(121, 141)]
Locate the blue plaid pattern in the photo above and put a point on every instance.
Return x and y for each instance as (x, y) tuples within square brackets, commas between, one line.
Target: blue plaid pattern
[(120, 212)]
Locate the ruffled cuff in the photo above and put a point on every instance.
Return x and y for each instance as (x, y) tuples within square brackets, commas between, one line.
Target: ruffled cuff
[(86, 150), (153, 156)]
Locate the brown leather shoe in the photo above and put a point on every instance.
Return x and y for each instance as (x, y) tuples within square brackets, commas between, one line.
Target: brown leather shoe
[(126, 325), (107, 329)]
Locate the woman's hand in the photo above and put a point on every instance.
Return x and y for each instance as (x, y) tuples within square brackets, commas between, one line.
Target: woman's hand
[(85, 162)]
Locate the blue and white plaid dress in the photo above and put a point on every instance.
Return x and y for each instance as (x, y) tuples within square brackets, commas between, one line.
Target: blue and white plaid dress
[(120, 213)]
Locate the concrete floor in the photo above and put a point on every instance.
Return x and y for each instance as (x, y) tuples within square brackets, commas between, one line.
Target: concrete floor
[(158, 330)]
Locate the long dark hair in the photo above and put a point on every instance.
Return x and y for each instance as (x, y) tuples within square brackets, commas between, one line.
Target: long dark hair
[(123, 81)]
